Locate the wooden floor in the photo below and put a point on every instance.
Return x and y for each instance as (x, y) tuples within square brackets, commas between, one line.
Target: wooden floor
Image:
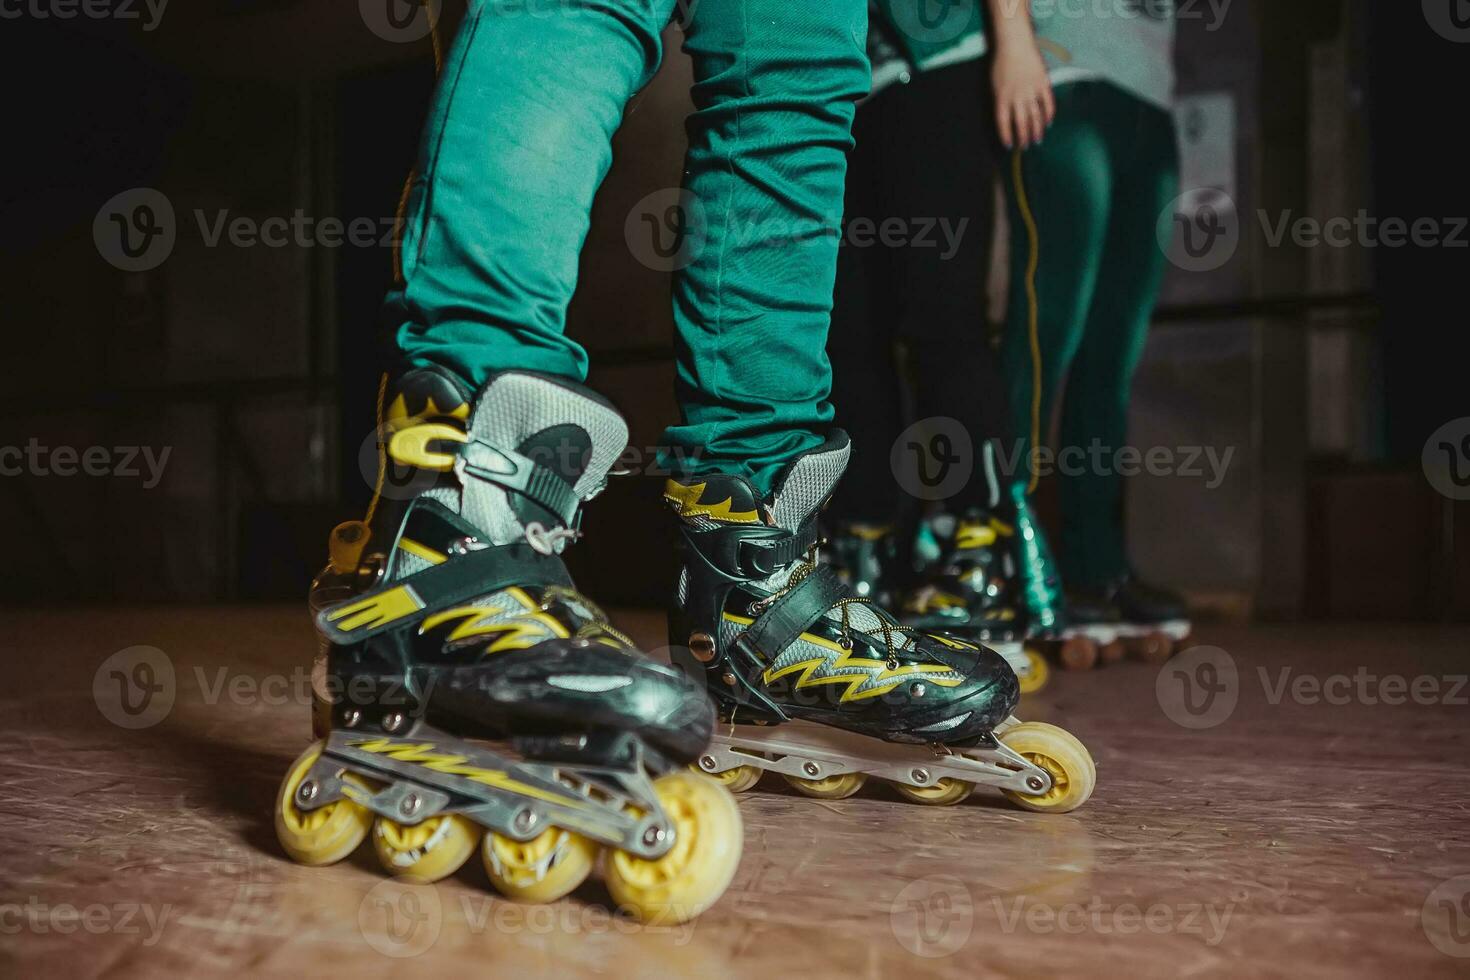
[(1312, 831)]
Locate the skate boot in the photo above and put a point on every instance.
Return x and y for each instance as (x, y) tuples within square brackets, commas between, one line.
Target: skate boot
[(448, 615), (972, 591), (824, 687), (1131, 616)]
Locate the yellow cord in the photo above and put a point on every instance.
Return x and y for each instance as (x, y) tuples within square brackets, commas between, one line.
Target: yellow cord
[(382, 450), (1033, 304)]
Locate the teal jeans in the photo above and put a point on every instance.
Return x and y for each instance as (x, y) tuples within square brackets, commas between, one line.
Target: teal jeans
[(1086, 272), (517, 143)]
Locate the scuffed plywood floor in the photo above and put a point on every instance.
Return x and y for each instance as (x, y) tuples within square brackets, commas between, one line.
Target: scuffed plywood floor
[(1315, 829)]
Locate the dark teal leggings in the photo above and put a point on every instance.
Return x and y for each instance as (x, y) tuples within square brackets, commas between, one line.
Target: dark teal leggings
[(1086, 272)]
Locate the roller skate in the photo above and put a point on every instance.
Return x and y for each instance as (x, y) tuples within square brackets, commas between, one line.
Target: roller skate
[(448, 616), (825, 688), (1130, 616), (865, 557), (970, 589)]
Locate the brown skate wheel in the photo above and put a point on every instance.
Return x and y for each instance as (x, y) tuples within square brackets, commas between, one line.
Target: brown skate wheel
[(1078, 653), (1112, 652), (1155, 648)]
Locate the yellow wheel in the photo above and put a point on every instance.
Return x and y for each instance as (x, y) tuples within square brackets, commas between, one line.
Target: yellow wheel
[(946, 792), (1067, 760), (736, 780), (428, 851), (324, 835), (829, 788), (1112, 653), (542, 869), (708, 838), (1035, 678)]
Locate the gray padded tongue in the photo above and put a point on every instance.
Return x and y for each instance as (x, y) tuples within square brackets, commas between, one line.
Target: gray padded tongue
[(803, 488), (515, 409), (810, 481)]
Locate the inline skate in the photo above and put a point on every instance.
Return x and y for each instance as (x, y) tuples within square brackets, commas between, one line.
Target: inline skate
[(1130, 616), (448, 615), (971, 586), (823, 686)]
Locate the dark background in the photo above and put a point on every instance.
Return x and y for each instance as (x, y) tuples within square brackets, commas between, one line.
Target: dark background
[(1327, 369)]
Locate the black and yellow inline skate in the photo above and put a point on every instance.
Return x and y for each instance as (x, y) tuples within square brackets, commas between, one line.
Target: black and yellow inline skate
[(448, 615), (824, 687)]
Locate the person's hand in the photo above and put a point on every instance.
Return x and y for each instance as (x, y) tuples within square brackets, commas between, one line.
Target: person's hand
[(1024, 105)]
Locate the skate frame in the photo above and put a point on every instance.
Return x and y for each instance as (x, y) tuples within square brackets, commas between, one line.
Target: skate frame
[(519, 800), (810, 751)]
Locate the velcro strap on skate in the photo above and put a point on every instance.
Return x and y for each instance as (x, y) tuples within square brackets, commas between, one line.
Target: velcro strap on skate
[(457, 581), (759, 557), (520, 474), (791, 615)]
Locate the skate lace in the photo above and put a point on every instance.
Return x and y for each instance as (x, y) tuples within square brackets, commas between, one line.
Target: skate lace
[(890, 628), (597, 623), (550, 541)]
